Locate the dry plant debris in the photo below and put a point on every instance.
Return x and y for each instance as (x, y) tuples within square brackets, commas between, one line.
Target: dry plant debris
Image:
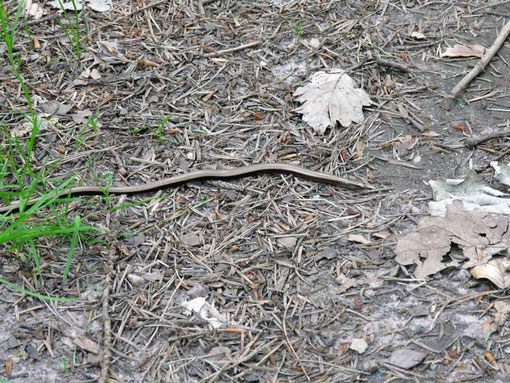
[(331, 97), (464, 51), (299, 271), (479, 236)]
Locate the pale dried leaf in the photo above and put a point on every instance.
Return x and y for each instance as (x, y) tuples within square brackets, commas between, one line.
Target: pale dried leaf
[(205, 311), (359, 239), (331, 97), (314, 43), (429, 246), (496, 271), (346, 283), (95, 74), (82, 116), (86, 344), (488, 327), (472, 191), (100, 5), (360, 345), (68, 5), (502, 308), (288, 242), (502, 172), (464, 51), (33, 9), (418, 36), (407, 358), (190, 239)]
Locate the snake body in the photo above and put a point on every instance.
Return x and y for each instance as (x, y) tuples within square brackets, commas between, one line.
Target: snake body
[(207, 174)]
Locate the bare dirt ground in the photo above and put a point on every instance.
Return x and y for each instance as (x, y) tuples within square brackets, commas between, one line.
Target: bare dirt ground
[(304, 273)]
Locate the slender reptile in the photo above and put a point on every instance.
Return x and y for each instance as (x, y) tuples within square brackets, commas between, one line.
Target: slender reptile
[(206, 174)]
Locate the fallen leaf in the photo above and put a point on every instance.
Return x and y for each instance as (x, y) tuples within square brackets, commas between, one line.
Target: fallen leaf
[(382, 234), (190, 239), (346, 283), (501, 173), (109, 51), (33, 9), (205, 311), (360, 345), (418, 36), (288, 242), (472, 191), (359, 239), (464, 51), (100, 5), (95, 74), (67, 5), (86, 344), (496, 270), (82, 116), (331, 97), (488, 327), (407, 358), (429, 247), (314, 43)]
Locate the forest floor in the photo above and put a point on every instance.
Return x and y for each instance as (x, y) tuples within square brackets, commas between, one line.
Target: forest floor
[(302, 275)]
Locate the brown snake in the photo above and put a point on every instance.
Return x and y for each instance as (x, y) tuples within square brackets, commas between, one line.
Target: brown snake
[(206, 174)]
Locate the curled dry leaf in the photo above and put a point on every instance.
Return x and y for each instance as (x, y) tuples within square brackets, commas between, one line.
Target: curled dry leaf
[(331, 97), (464, 51), (496, 271), (205, 311)]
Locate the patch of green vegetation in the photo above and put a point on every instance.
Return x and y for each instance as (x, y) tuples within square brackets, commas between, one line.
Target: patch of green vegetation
[(72, 31), (21, 229), (159, 131)]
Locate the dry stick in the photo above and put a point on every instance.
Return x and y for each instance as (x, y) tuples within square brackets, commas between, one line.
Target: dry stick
[(487, 57), (230, 50), (474, 141), (392, 64)]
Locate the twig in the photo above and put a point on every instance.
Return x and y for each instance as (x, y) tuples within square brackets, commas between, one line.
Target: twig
[(474, 141), (392, 64), (42, 19), (487, 57), (230, 50)]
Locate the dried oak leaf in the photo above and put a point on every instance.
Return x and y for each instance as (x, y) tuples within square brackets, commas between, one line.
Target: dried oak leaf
[(331, 97), (478, 235)]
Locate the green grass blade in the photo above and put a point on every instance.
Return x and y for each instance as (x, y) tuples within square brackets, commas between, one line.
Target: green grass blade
[(33, 294)]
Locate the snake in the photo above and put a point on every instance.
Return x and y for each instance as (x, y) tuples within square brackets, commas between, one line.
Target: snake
[(205, 174)]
